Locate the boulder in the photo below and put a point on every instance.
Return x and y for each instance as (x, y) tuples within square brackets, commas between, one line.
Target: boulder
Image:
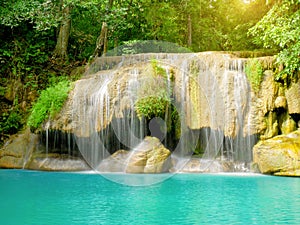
[(17, 151), (150, 156), (114, 163), (279, 155)]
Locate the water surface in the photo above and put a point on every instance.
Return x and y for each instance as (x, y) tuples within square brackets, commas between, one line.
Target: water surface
[(31, 197)]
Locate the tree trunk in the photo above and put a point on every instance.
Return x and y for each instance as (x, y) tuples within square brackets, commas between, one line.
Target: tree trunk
[(60, 53), (189, 43), (101, 45)]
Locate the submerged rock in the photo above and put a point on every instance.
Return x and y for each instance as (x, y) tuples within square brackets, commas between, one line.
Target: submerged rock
[(279, 155), (198, 165), (58, 163)]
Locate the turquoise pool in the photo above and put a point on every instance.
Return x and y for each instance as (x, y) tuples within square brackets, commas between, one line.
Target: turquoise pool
[(31, 197)]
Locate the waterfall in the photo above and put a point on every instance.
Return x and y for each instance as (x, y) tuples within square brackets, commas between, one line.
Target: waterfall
[(209, 92), (238, 148)]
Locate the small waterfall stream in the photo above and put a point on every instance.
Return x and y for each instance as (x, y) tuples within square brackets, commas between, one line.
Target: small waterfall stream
[(210, 93)]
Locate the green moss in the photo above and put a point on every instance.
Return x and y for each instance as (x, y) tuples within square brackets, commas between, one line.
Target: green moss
[(254, 72), (49, 103)]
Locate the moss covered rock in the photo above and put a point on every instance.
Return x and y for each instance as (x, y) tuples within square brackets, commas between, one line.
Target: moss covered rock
[(279, 155)]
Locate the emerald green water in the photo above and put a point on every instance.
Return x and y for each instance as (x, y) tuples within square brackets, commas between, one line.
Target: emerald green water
[(30, 197)]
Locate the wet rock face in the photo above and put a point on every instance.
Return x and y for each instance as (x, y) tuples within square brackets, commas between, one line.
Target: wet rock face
[(279, 155)]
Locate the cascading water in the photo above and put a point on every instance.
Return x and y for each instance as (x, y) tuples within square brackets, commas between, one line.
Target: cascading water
[(209, 91), (238, 147)]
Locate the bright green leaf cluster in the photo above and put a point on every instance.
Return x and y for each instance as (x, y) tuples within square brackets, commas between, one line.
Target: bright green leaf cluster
[(152, 106), (41, 13), (49, 103), (280, 29)]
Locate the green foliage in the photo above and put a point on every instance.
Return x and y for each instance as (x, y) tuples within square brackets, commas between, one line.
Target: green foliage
[(25, 57), (152, 106), (2, 91), (153, 99), (41, 13), (279, 29), (10, 122), (254, 72), (49, 103)]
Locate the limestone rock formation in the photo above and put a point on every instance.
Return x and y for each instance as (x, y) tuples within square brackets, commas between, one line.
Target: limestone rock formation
[(204, 86), (293, 98), (279, 155), (150, 156), (22, 153), (16, 153)]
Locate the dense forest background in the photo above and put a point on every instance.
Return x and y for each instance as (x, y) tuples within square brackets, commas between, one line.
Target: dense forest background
[(43, 42)]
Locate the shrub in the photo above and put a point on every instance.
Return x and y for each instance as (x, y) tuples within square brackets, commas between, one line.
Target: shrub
[(152, 106), (10, 122), (49, 103)]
